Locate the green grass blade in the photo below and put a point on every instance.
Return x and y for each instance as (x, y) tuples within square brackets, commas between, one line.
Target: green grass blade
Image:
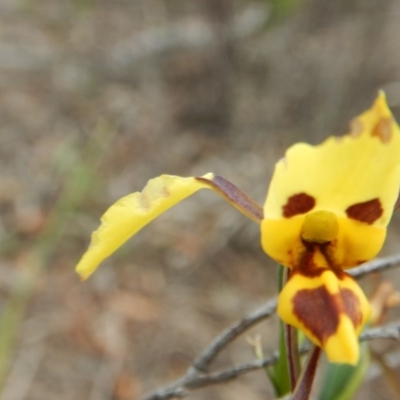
[(342, 381), (279, 373)]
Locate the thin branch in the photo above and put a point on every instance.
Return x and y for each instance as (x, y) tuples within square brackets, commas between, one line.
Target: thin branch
[(204, 360), (182, 387), (389, 331), (379, 264), (231, 373), (197, 375)]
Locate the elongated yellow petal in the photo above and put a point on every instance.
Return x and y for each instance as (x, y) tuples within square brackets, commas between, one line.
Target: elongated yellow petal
[(355, 177), (131, 213), (330, 309)]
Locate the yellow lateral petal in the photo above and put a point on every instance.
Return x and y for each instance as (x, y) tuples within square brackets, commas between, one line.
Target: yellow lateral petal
[(356, 177), (131, 213)]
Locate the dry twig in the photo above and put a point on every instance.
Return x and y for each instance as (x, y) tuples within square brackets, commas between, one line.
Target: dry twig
[(380, 264)]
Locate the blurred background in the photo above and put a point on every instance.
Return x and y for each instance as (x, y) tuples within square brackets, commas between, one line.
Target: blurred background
[(97, 97)]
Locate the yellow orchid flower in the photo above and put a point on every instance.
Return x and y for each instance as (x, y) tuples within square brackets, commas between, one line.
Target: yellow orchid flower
[(326, 210)]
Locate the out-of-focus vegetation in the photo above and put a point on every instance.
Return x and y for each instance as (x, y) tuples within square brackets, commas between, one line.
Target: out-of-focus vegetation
[(98, 97)]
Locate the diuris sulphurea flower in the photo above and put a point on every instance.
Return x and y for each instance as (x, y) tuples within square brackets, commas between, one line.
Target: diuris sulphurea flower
[(326, 211)]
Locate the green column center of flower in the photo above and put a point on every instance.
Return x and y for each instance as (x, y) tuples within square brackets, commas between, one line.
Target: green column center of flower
[(320, 227)]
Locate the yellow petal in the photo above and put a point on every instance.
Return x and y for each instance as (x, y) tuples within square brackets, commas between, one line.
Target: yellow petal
[(131, 213), (356, 177), (329, 308), (343, 346)]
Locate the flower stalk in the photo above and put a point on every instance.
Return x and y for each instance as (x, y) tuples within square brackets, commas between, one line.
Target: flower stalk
[(303, 388)]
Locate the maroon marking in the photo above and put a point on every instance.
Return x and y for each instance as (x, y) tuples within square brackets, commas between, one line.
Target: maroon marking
[(383, 130), (305, 263), (317, 309), (298, 204), (351, 305), (312, 271), (368, 211), (241, 200), (306, 266)]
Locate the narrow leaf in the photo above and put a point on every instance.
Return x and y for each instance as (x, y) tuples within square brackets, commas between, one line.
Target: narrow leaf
[(279, 373), (341, 381)]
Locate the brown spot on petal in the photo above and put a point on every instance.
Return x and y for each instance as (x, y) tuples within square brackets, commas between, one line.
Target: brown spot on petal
[(356, 127), (318, 311), (352, 306), (298, 204), (383, 130), (368, 211)]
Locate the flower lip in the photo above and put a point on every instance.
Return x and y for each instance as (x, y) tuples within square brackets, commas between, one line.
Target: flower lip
[(329, 307)]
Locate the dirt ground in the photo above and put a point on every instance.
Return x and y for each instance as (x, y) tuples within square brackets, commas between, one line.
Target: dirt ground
[(97, 97)]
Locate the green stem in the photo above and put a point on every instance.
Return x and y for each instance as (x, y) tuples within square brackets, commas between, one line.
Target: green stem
[(291, 343), (278, 374)]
